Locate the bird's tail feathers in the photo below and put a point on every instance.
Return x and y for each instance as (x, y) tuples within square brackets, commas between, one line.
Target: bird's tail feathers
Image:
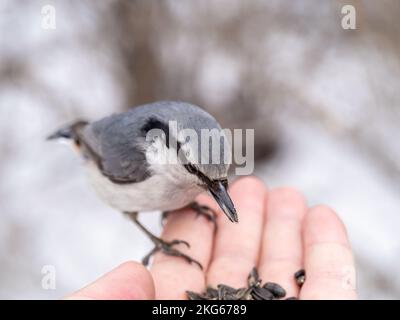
[(68, 132)]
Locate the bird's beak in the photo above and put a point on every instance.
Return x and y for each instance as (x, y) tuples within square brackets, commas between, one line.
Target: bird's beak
[(220, 194)]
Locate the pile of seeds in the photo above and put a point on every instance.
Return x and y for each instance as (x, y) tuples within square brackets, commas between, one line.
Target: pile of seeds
[(254, 291)]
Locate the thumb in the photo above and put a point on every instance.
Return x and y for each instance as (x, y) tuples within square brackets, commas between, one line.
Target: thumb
[(130, 280)]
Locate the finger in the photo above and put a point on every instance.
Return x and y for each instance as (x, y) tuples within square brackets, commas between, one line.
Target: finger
[(281, 251), (237, 245), (329, 263), (174, 275), (130, 280)]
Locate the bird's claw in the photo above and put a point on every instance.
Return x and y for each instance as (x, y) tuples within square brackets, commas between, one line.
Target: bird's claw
[(205, 211), (167, 248), (173, 242)]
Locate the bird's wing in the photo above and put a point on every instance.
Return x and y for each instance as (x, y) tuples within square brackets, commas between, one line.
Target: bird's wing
[(116, 146)]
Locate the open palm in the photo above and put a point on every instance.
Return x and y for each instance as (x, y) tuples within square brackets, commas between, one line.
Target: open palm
[(276, 232)]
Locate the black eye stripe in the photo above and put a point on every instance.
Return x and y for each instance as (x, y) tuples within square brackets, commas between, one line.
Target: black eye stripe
[(194, 170), (154, 123)]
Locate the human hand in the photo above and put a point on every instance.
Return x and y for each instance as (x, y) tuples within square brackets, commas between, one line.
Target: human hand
[(276, 232)]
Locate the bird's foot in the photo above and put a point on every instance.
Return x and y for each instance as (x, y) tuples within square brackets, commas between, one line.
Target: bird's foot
[(166, 247), (205, 211), (201, 210)]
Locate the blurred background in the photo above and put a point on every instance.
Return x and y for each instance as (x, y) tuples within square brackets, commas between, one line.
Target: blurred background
[(324, 103)]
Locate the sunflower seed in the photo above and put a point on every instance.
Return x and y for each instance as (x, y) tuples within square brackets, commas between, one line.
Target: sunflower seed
[(212, 293), (262, 294), (229, 296), (196, 296), (275, 289), (300, 277), (244, 294), (224, 290), (254, 290), (253, 279)]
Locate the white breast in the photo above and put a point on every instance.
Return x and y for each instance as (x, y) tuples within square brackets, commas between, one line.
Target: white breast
[(155, 193), (170, 187)]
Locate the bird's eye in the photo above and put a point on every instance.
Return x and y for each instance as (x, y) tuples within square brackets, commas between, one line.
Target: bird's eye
[(225, 183)]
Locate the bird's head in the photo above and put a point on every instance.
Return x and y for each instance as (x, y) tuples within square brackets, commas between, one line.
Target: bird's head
[(200, 147), (207, 162)]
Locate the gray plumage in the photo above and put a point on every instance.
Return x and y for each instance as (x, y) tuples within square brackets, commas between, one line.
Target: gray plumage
[(119, 140), (135, 169), (121, 165)]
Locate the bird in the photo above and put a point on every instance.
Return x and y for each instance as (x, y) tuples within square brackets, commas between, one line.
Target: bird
[(137, 163)]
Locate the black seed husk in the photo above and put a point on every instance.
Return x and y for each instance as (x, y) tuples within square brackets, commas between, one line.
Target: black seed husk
[(275, 289), (262, 294), (196, 296), (253, 291), (253, 279), (226, 288), (212, 293), (300, 277)]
